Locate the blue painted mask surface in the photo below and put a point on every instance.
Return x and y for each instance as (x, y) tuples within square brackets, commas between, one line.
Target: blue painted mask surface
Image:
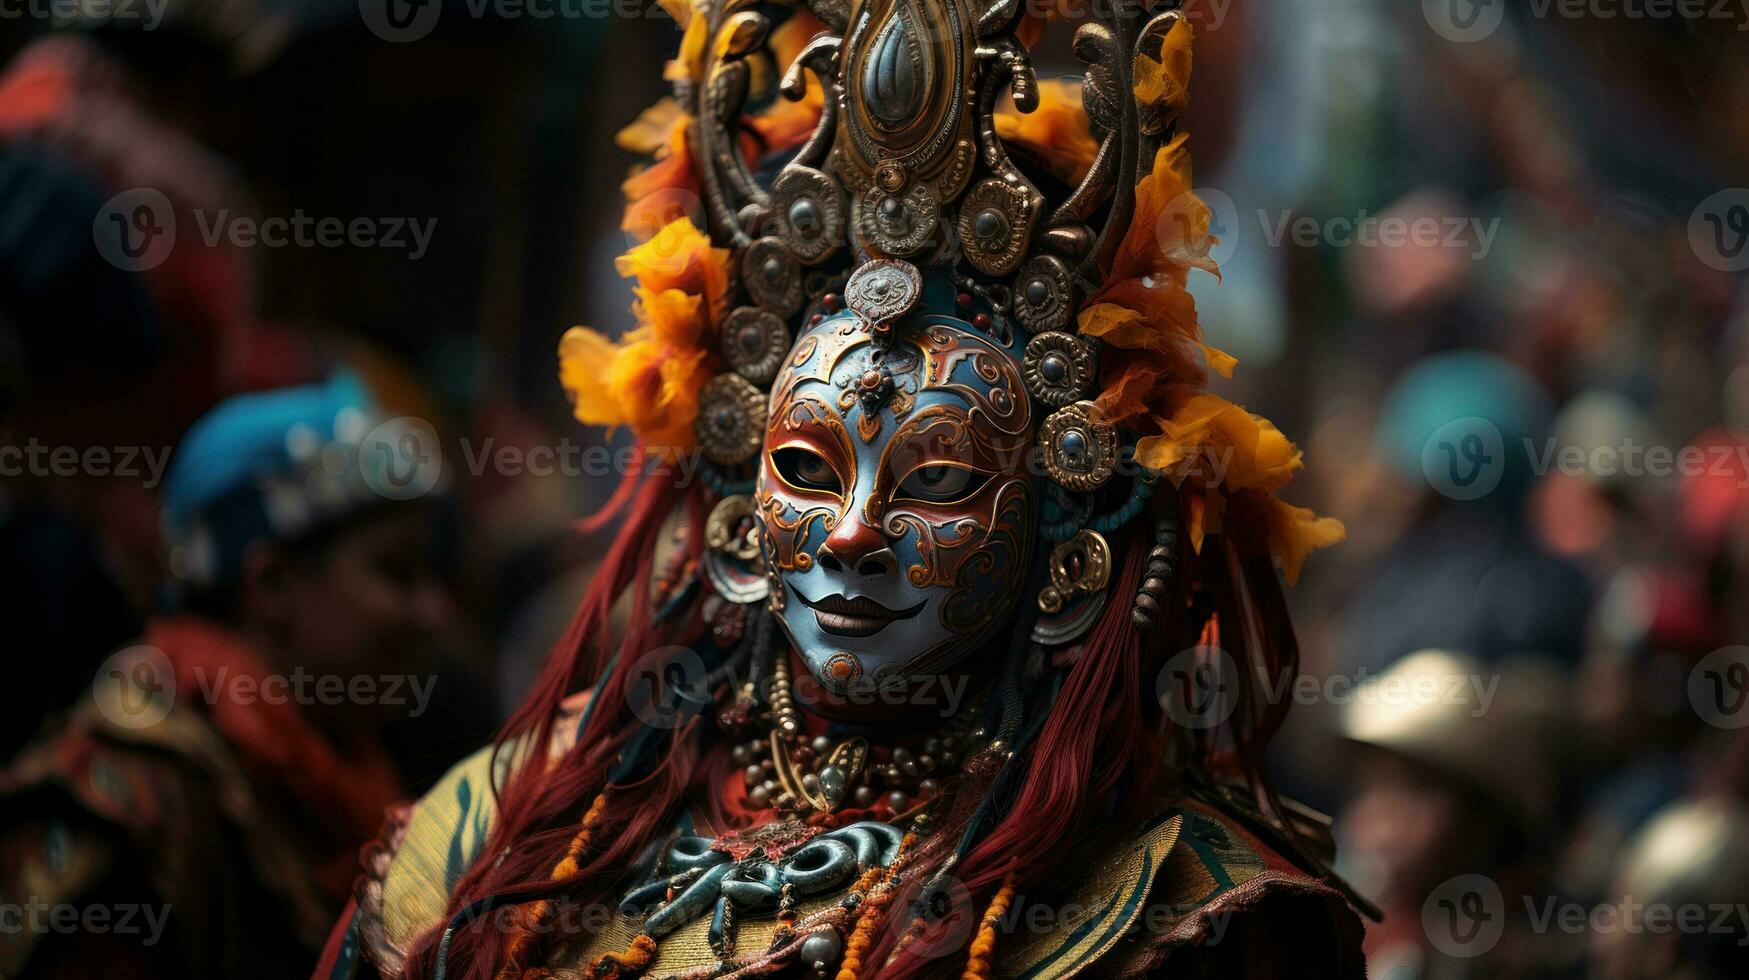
[(896, 496)]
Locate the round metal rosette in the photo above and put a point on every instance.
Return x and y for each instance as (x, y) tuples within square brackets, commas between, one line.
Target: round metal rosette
[(808, 209), (898, 223), (883, 290), (754, 343), (995, 225), (733, 561), (1079, 450), (731, 419), (735, 580), (728, 528), (1059, 367), (1044, 294), (1079, 566), (772, 276)]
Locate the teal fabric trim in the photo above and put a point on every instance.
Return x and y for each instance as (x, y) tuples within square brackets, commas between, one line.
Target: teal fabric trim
[(346, 963)]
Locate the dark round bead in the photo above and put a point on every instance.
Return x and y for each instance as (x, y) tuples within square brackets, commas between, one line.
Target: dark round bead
[(1037, 291), (1054, 368), (772, 270), (816, 318), (988, 224), (1073, 443), (963, 301), (981, 321), (830, 301), (804, 217)]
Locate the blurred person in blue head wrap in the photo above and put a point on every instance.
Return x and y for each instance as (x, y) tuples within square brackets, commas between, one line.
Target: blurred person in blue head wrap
[(222, 773), (1466, 428)]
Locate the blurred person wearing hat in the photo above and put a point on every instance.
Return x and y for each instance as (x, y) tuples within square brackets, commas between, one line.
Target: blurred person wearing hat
[(1466, 571), (198, 814), (1455, 779), (1681, 888)]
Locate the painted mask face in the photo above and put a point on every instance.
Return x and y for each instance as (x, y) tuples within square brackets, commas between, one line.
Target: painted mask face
[(899, 537)]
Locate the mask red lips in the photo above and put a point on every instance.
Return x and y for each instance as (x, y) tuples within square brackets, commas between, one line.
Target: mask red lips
[(860, 616)]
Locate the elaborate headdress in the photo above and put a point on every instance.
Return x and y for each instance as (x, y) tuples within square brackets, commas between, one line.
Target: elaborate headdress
[(887, 181), (888, 138)]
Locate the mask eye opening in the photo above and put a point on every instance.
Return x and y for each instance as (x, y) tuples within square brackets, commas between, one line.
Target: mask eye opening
[(940, 484), (806, 471)]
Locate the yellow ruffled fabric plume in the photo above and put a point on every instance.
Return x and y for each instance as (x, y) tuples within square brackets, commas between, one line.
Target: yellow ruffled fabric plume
[(1153, 374), (650, 378)]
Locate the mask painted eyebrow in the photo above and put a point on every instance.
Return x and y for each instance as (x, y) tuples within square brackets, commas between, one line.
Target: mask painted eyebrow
[(807, 422)]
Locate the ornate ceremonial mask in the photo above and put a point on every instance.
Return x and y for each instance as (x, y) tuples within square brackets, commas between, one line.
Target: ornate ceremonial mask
[(894, 492)]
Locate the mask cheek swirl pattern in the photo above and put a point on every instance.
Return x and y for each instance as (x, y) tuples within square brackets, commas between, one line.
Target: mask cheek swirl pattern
[(896, 539)]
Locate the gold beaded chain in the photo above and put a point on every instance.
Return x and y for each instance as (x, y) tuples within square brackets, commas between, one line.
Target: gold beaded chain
[(783, 770)]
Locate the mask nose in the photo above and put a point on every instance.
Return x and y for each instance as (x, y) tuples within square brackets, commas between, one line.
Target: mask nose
[(855, 545)]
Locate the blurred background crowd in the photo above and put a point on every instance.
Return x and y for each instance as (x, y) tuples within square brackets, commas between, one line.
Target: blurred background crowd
[(1483, 260)]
